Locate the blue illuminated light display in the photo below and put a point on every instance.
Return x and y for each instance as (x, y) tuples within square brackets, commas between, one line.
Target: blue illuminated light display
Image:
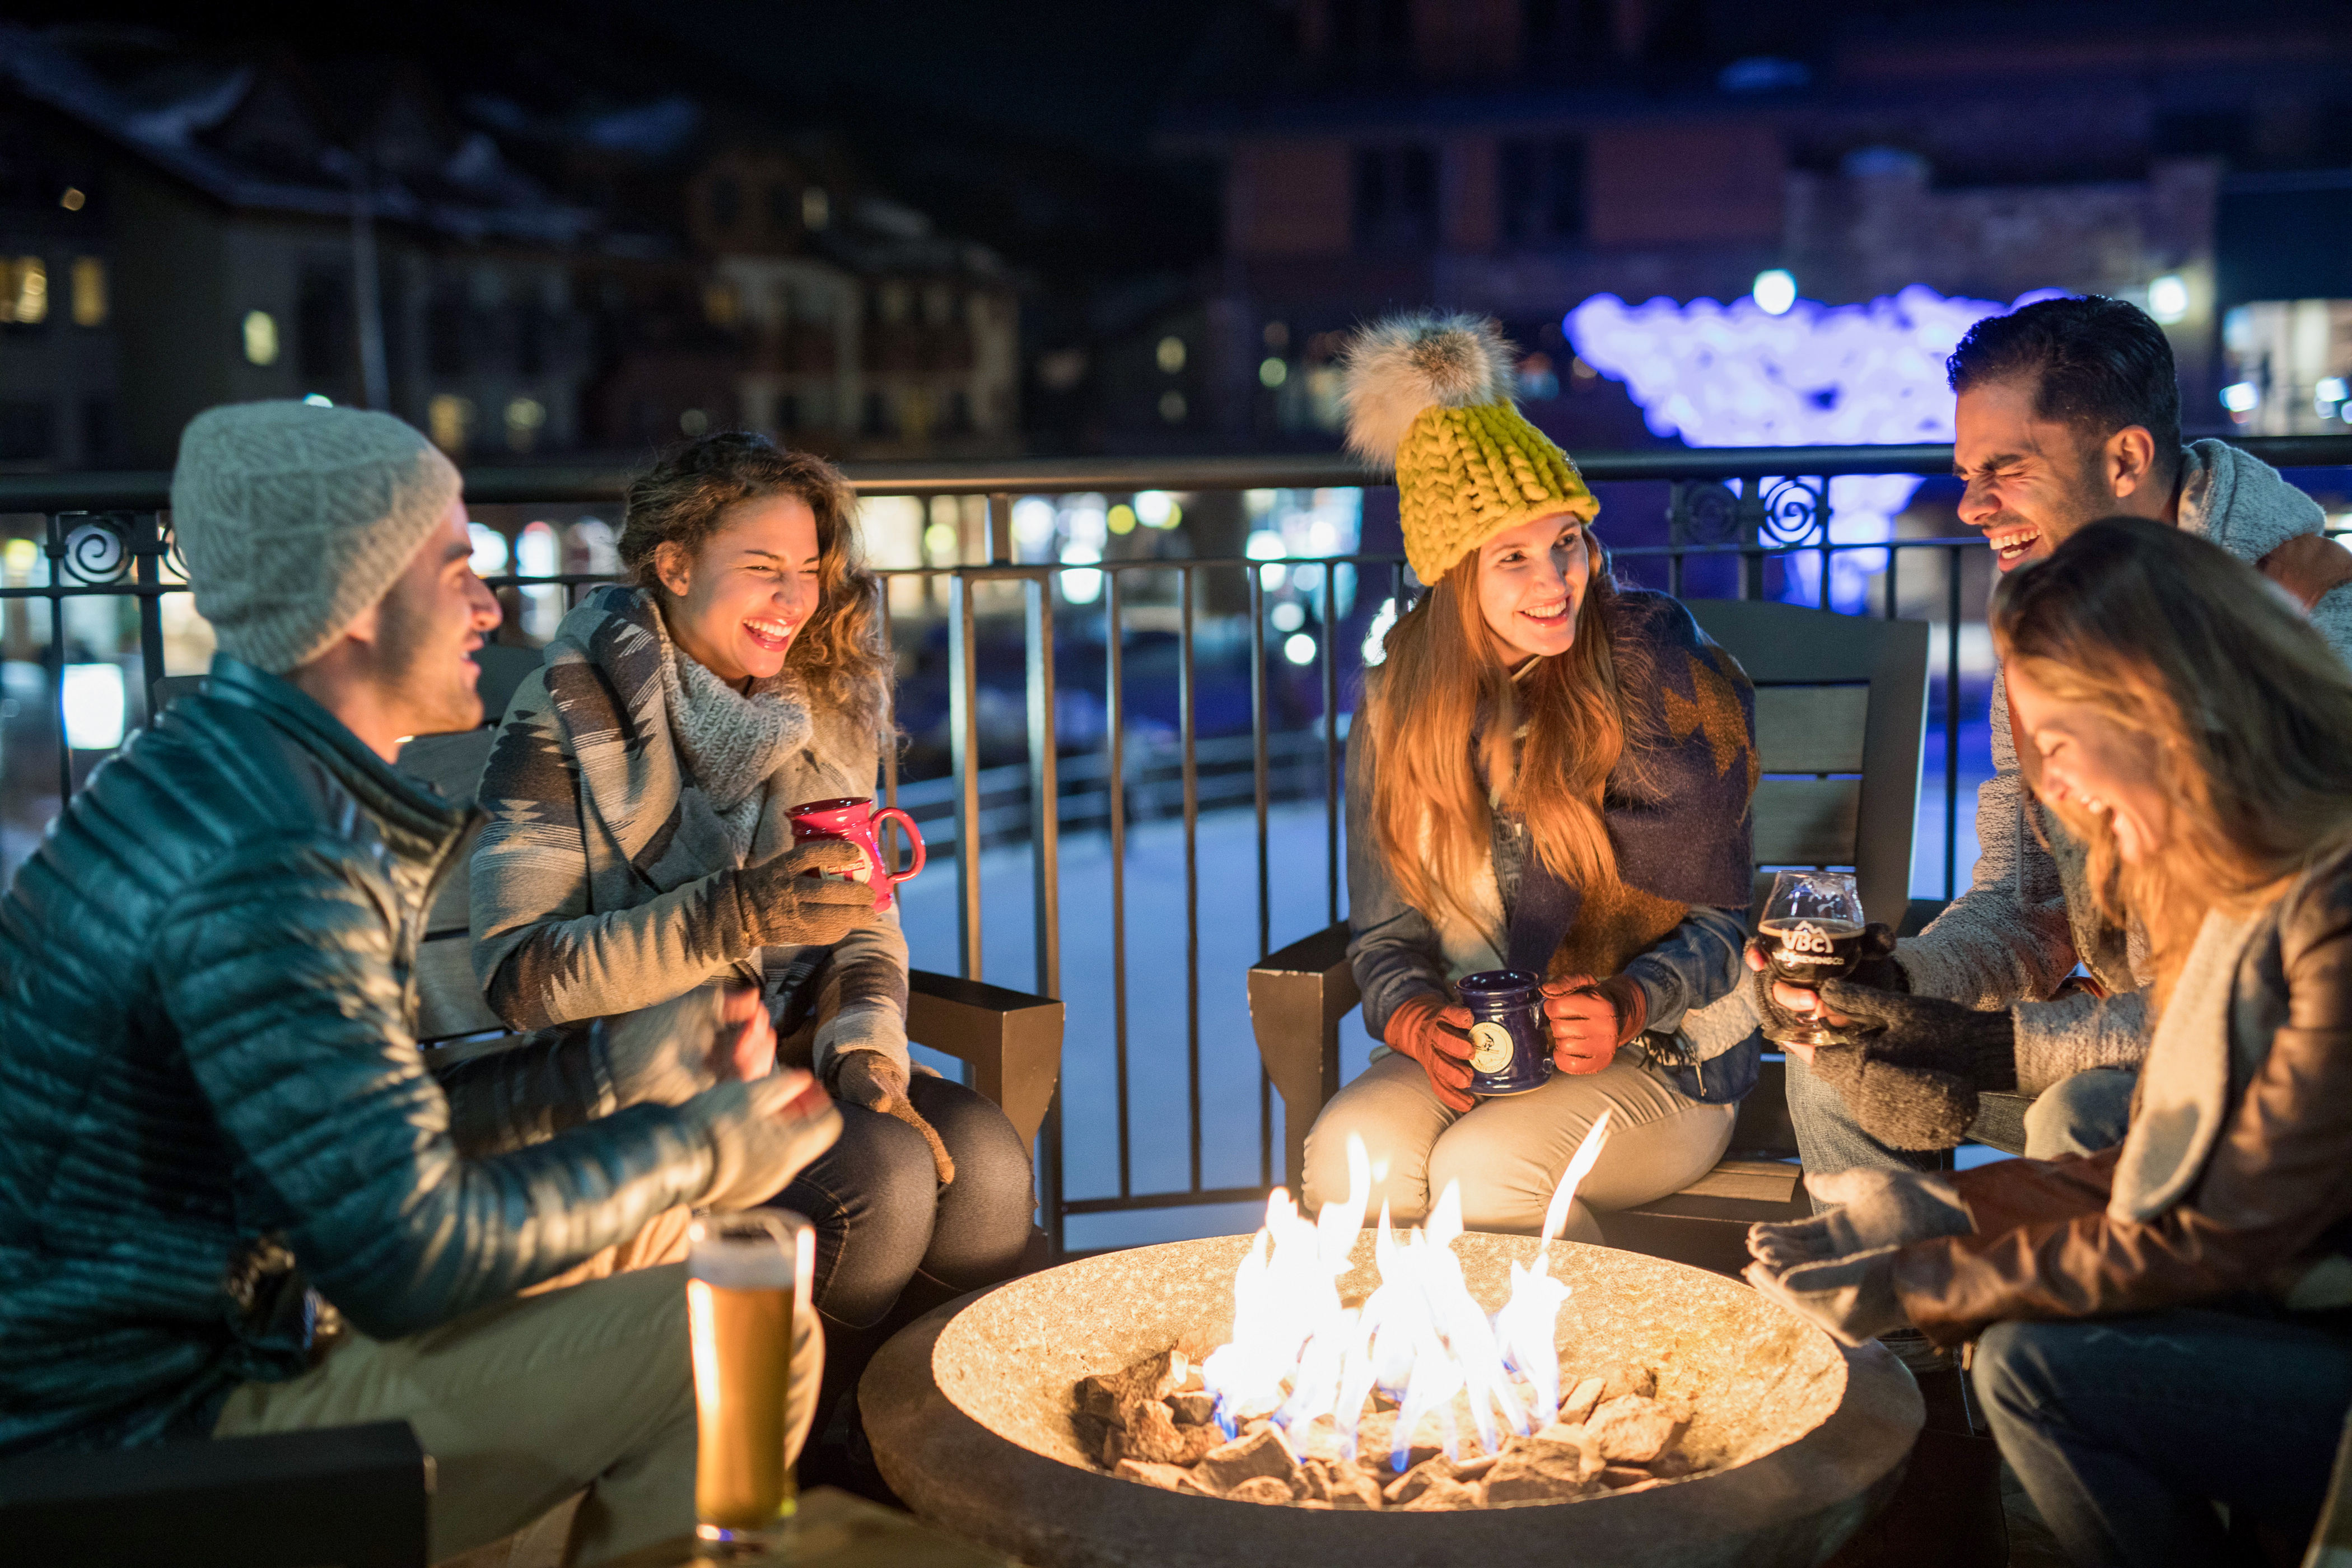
[(1814, 374)]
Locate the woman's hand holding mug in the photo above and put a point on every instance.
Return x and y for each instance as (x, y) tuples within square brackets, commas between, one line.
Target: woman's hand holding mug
[(1437, 1037), (1590, 1018)]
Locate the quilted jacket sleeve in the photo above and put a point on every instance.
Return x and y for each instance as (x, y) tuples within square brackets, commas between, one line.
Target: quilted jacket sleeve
[(280, 969)]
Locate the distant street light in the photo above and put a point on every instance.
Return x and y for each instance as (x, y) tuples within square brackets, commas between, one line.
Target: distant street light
[(2167, 298), (1774, 291)]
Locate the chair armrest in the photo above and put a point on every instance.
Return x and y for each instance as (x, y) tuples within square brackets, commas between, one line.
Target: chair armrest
[(1297, 997), (1013, 1040)]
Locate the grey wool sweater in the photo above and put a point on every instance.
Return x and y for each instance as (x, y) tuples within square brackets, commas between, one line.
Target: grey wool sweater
[(2029, 915), (601, 882)]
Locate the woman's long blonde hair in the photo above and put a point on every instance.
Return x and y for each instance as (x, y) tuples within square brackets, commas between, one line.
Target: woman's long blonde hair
[(1444, 713), (2249, 709)]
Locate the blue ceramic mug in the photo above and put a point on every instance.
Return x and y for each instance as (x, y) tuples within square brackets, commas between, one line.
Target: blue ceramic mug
[(1510, 1046)]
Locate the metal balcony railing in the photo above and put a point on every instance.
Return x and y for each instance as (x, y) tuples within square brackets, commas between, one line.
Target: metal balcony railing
[(1740, 514)]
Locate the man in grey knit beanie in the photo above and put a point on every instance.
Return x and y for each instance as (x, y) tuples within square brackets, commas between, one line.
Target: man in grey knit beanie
[(220, 1121)]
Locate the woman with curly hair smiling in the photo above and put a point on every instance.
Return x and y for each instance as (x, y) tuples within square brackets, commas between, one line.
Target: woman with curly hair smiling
[(640, 846)]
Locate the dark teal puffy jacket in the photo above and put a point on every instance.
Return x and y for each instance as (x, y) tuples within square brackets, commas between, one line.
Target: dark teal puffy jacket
[(206, 1064)]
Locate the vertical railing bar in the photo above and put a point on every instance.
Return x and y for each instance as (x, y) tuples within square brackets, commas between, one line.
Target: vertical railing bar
[(147, 536), (1952, 727), (1826, 545), (1185, 696), (1894, 598), (1257, 576), (54, 591), (999, 524), (1115, 771), (1331, 745), (1044, 865), (963, 749)]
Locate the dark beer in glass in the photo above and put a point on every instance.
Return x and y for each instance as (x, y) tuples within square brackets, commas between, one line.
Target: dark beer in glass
[(1811, 933)]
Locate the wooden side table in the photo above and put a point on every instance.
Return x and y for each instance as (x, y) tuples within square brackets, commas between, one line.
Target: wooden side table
[(834, 1528)]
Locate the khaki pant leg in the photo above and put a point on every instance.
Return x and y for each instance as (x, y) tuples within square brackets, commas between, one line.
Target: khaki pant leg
[(1391, 1107), (663, 1240), (1508, 1153), (521, 1405)]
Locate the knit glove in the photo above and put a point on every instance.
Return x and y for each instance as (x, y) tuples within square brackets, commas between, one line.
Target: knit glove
[(1877, 970), (1872, 1209), (878, 1083), (762, 1134), (1852, 1297), (804, 898), (1910, 1068), (1437, 1037), (1590, 1018), (665, 1055)]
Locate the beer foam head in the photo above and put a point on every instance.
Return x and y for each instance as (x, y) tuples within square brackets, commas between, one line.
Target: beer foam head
[(731, 1256)]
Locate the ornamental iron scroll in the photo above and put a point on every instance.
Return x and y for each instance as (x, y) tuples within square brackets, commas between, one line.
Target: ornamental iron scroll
[(1795, 511), (1703, 512), (92, 547)]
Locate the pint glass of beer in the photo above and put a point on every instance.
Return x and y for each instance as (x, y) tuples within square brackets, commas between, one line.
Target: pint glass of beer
[(1810, 932), (746, 1278)]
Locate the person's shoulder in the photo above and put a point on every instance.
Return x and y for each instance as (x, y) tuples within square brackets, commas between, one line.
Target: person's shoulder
[(1657, 617), (2319, 907)]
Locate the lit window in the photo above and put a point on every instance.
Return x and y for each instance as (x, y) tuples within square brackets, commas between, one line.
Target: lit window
[(73, 199), (538, 554), (1172, 407), (942, 543), (93, 704), (260, 338), (2241, 397), (489, 549), (1272, 372), (1171, 354), (2167, 298), (448, 418), (89, 291), (1155, 508), (525, 416), (25, 296), (1298, 648), (817, 207), (1120, 518), (1289, 617)]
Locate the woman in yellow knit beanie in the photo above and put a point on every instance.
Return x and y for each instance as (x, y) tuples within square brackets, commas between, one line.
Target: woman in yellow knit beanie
[(1550, 774)]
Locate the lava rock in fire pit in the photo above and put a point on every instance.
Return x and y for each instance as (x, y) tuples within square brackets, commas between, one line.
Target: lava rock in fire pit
[(1419, 1480), (1263, 1455), (1350, 1488), (1552, 1466), (1578, 1402), (1627, 1378), (1634, 1430), (1193, 1409), (1260, 1488), (1151, 1436), (1442, 1494)]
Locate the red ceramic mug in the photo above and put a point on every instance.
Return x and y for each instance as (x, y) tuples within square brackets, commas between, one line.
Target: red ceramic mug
[(854, 819)]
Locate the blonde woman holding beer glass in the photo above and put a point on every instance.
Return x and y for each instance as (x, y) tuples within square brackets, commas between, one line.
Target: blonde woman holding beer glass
[(1548, 861), (641, 844), (2167, 1323)]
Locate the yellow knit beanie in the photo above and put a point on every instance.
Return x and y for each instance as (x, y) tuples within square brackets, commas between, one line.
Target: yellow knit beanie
[(1430, 394)]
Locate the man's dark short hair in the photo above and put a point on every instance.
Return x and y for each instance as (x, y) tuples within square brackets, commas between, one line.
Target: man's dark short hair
[(2095, 363)]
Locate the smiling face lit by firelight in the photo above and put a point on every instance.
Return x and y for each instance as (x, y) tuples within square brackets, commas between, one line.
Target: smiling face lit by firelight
[(735, 605), (1531, 582), (2093, 769), (2033, 481)]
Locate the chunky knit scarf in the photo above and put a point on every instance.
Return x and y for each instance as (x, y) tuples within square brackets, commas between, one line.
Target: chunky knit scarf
[(730, 741)]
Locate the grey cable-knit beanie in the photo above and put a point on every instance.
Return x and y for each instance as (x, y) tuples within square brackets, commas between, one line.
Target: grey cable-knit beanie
[(295, 518)]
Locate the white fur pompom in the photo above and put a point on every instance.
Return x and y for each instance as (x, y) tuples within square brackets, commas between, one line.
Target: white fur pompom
[(1397, 367)]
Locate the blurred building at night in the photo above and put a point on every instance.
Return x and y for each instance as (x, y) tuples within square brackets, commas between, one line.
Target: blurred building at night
[(1516, 157), (523, 283)]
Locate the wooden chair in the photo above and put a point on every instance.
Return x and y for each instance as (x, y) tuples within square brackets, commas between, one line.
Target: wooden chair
[(1840, 705), (1011, 1040)]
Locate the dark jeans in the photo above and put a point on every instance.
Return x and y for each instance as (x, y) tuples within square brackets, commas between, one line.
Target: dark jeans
[(2126, 1430)]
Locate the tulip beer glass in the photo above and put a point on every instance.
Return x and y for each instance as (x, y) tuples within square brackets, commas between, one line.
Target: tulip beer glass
[(748, 1279), (1810, 932)]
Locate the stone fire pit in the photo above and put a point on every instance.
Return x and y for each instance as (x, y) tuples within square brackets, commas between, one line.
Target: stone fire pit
[(970, 1415)]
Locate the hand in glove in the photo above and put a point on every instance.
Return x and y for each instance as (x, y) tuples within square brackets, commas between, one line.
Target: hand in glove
[(803, 898), (1590, 1018), (1915, 1064), (1873, 1208), (1437, 1037), (878, 1082), (762, 1134), (667, 1055), (1788, 1009), (1852, 1297)]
